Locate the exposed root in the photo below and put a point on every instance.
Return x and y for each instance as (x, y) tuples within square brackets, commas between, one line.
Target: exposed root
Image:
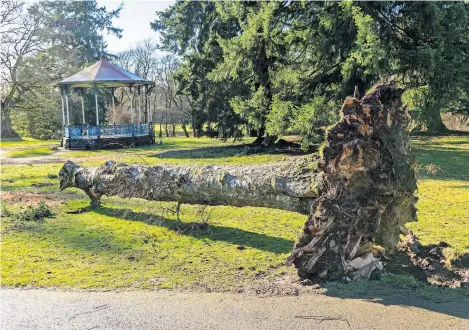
[(368, 192)]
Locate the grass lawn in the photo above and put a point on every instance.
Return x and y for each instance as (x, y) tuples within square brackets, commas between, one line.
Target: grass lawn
[(131, 243), (30, 152), (8, 143), (444, 196)]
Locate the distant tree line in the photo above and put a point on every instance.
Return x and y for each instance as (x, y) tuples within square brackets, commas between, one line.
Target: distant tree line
[(264, 69), (167, 107)]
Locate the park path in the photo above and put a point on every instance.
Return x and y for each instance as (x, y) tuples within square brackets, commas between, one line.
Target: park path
[(52, 309), (45, 159)]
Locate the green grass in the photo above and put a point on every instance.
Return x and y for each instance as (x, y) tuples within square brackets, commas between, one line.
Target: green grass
[(7, 143), (30, 152), (131, 243), (127, 243), (27, 178), (443, 197), (177, 151), (134, 243)]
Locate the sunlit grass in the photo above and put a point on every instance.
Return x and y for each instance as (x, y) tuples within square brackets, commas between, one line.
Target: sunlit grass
[(136, 243), (7, 143), (28, 177), (178, 151), (133, 244), (443, 207)]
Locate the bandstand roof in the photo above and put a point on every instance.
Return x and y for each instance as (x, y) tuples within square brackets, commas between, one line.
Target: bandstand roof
[(104, 73)]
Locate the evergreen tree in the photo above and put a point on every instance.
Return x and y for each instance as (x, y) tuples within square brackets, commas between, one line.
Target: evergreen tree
[(190, 30), (285, 66), (427, 51)]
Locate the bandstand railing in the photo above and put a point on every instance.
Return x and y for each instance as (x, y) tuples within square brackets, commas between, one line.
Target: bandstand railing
[(107, 131)]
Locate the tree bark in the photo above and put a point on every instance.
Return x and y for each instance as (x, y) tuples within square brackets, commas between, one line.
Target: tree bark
[(280, 185), (7, 130), (161, 124), (166, 130), (359, 193), (433, 122), (184, 128)]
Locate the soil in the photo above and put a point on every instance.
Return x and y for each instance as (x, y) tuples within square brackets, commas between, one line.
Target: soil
[(288, 284), (428, 264), (26, 198)]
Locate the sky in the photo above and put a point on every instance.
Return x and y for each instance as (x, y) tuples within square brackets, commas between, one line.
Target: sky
[(135, 18)]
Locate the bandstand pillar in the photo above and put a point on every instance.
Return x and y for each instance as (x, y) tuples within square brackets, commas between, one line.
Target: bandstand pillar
[(95, 89), (63, 105), (66, 105), (113, 106), (82, 106)]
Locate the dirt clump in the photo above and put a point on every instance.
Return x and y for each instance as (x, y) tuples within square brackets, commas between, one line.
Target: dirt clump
[(428, 263)]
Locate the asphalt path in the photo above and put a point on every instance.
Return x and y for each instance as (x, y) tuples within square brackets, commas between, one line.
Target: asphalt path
[(52, 309)]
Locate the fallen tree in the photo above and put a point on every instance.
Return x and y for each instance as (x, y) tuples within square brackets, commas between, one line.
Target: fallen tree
[(288, 185), (358, 194)]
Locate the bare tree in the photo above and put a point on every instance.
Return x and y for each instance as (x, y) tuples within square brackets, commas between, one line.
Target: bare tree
[(10, 12), (168, 108), (176, 104), (122, 95), (22, 30)]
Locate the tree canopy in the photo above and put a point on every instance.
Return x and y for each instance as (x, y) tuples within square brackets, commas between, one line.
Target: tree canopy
[(264, 69), (283, 66)]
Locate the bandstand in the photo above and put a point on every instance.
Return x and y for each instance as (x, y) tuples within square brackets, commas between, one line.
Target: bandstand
[(104, 74)]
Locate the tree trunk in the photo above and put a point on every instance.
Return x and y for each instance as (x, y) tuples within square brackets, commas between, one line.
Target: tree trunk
[(166, 130), (7, 130), (361, 193), (433, 121), (184, 128), (260, 137), (160, 135), (173, 126), (280, 185)]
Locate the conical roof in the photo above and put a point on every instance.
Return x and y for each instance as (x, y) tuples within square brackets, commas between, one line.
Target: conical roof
[(104, 73)]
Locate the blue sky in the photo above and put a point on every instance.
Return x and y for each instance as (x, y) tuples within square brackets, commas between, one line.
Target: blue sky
[(135, 19)]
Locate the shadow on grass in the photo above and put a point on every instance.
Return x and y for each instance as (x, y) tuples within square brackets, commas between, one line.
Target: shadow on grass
[(460, 187), (453, 162), (224, 151), (203, 152), (405, 291), (421, 134), (214, 232)]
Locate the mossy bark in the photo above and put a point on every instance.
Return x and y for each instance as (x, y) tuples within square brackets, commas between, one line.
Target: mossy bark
[(288, 185), (433, 122)]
